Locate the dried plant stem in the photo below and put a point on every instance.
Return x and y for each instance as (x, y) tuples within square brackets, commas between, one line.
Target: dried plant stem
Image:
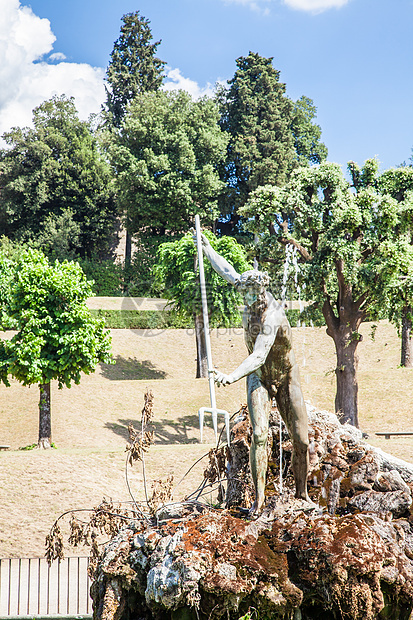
[(145, 487), (243, 409), (102, 519), (134, 502), (191, 468)]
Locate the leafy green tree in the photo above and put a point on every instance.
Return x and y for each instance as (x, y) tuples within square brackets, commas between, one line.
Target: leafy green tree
[(257, 115), (133, 66), (53, 170), (56, 337), (165, 157), (268, 133), (9, 254), (395, 300), (177, 277), (397, 297), (307, 134), (107, 276), (342, 238)]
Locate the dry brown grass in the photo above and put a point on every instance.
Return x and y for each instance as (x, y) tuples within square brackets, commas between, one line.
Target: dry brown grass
[(90, 420)]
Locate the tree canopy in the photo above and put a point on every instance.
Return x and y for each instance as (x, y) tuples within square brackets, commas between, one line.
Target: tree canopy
[(343, 238), (306, 133), (52, 170), (133, 69), (165, 158)]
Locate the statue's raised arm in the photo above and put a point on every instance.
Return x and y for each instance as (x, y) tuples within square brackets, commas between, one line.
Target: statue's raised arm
[(219, 263)]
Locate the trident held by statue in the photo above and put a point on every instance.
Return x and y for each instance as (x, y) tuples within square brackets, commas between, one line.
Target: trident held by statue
[(213, 408)]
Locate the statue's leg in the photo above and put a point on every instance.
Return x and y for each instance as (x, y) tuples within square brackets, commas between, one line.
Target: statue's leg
[(259, 406), (293, 411)]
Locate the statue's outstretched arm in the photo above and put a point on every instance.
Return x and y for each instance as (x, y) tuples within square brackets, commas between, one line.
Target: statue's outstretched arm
[(254, 361), (219, 263)]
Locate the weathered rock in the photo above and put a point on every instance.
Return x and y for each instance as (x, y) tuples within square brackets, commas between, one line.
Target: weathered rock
[(213, 564), (390, 481), (345, 565), (341, 465), (395, 502), (177, 510), (332, 497), (172, 580), (388, 462), (364, 472), (354, 567)]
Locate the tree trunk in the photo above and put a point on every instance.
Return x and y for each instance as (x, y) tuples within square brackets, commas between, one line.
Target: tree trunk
[(407, 351), (45, 418), (343, 329), (346, 375), (201, 358), (128, 248)]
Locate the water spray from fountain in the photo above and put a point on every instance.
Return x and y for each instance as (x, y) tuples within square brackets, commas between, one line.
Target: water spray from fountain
[(297, 285), (289, 248)]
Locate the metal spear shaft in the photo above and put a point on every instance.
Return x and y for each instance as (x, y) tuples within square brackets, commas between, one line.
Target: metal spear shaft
[(213, 409)]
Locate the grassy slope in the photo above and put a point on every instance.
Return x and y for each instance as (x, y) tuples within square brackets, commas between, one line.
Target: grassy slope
[(90, 420)]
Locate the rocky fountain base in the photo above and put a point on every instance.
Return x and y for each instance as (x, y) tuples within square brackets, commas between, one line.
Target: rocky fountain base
[(349, 556)]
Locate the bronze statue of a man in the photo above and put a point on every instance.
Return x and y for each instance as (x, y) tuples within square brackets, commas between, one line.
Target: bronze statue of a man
[(271, 372)]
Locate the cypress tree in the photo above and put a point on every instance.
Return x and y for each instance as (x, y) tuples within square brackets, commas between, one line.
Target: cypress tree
[(133, 66)]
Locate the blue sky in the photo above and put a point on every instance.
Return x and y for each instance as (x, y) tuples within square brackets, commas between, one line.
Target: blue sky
[(352, 57)]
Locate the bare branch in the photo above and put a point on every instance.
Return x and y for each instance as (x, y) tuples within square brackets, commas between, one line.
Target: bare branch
[(314, 241), (361, 300), (345, 289), (304, 253), (331, 320)]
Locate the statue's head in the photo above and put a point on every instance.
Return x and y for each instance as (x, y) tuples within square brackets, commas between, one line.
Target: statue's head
[(251, 284)]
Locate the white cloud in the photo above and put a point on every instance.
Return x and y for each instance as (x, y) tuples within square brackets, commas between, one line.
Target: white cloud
[(26, 79), (254, 5), (315, 6), (312, 6), (57, 57), (176, 81)]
